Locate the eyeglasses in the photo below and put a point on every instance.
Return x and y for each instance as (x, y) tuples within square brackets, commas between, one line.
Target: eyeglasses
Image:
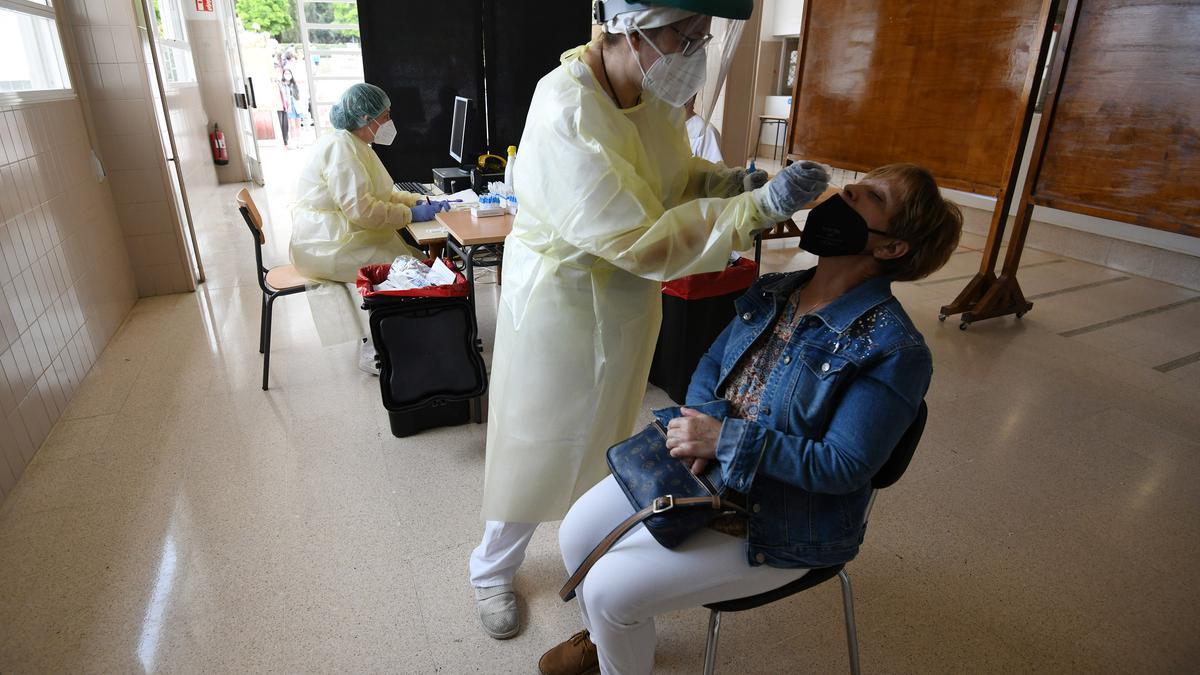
[(691, 45)]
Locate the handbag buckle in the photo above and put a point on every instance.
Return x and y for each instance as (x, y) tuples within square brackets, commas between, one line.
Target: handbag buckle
[(664, 503)]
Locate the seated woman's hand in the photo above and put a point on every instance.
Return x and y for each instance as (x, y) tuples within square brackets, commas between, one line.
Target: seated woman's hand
[(694, 436)]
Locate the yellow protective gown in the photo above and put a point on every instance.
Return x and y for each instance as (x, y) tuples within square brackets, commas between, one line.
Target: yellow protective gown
[(346, 215), (612, 203)]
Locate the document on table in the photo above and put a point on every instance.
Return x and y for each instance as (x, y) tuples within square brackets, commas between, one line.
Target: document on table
[(463, 199)]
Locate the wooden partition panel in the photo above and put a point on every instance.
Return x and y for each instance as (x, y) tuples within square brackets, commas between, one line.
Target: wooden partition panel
[(942, 84), (1124, 139)]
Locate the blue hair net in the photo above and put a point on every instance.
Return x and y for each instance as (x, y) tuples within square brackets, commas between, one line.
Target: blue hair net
[(358, 105)]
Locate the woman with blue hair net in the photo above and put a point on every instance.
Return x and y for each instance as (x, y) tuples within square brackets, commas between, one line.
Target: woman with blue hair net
[(348, 212), (612, 203)]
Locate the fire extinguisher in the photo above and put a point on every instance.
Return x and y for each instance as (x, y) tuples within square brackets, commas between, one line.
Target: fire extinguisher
[(217, 140)]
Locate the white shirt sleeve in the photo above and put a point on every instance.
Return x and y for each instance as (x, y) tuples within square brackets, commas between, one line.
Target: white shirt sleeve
[(706, 143)]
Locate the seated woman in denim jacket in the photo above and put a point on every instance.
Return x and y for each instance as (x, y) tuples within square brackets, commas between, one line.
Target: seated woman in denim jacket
[(824, 372)]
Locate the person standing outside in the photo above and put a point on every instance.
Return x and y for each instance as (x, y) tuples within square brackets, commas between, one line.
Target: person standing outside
[(291, 102), (295, 62), (612, 204), (279, 102)]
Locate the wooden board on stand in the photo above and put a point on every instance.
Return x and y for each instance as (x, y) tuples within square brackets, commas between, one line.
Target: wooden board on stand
[(1118, 135), (1124, 140), (950, 89), (943, 86)]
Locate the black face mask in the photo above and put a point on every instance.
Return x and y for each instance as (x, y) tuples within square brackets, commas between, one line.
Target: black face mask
[(833, 228)]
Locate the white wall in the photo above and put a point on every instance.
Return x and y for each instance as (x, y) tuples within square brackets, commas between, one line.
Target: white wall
[(66, 282), (787, 16), (206, 36), (113, 55), (768, 19)]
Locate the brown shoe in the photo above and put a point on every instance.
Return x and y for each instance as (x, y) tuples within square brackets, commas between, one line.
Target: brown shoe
[(576, 656)]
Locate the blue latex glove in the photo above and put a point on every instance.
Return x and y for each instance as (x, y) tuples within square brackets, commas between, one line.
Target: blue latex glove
[(422, 212), (791, 189)]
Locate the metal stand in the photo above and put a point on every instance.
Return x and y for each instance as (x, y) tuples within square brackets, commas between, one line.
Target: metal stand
[(467, 255)]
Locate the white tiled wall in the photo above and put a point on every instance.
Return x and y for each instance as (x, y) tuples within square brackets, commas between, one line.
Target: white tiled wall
[(64, 272), (112, 57), (216, 89), (190, 124), (75, 252)]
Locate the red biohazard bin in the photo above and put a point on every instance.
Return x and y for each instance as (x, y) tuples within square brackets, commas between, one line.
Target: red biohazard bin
[(431, 370), (695, 311)]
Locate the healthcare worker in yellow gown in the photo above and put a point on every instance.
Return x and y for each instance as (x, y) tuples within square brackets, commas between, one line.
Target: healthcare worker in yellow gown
[(348, 211), (611, 204)]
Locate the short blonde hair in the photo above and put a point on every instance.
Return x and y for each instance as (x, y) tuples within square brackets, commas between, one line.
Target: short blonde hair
[(927, 221)]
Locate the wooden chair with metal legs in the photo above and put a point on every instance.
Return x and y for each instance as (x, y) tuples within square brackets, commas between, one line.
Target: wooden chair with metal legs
[(886, 477), (275, 282)]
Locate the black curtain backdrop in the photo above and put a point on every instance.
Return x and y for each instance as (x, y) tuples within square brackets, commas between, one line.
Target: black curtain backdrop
[(524, 40), (424, 58)]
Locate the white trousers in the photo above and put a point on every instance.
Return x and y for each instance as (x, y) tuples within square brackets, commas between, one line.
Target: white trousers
[(495, 561), (638, 578)]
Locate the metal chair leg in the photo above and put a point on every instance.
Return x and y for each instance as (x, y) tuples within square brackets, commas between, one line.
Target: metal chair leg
[(710, 649), (758, 139), (262, 322), (851, 628), (267, 340)]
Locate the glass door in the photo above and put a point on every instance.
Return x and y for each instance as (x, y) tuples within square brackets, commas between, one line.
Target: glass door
[(332, 52), (245, 97), (171, 65)]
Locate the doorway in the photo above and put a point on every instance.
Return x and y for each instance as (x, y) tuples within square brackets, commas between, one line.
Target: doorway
[(172, 75), (295, 58)]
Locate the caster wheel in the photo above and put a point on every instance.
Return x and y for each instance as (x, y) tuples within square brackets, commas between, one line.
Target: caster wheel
[(963, 325), (941, 317), (1020, 314)]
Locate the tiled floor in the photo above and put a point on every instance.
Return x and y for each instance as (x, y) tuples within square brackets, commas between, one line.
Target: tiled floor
[(180, 519)]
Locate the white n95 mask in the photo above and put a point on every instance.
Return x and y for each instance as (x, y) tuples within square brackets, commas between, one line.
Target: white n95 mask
[(385, 134), (674, 78)]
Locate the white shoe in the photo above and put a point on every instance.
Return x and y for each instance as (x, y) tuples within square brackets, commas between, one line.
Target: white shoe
[(497, 606), (366, 358)]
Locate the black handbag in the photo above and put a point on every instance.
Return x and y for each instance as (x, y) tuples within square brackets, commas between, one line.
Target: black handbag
[(667, 497)]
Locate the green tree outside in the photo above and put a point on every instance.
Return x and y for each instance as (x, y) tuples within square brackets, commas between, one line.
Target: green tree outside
[(279, 19), (275, 17), (346, 14), (328, 12)]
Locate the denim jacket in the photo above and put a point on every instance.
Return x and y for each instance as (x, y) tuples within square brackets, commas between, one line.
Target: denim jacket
[(845, 389)]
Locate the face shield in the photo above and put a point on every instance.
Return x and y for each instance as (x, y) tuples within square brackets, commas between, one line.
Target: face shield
[(726, 34)]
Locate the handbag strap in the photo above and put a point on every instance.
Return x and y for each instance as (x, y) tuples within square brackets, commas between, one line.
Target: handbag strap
[(659, 505)]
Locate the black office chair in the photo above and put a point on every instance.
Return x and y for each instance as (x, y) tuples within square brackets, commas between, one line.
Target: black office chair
[(275, 282), (886, 477)]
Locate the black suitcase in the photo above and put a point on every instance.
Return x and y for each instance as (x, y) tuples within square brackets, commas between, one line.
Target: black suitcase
[(431, 370)]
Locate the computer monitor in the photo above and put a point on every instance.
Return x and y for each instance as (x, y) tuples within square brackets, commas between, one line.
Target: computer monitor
[(458, 128)]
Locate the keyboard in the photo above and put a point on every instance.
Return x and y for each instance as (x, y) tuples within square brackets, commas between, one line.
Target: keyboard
[(409, 186)]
